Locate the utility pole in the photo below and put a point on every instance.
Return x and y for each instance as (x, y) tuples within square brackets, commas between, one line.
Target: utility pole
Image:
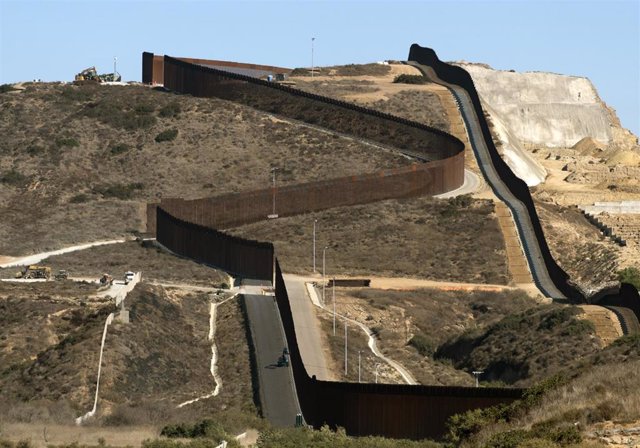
[(334, 306), (315, 221), (312, 40), (377, 366), (115, 72)]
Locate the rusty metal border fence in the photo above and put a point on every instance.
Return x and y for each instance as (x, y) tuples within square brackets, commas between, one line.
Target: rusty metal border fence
[(238, 256), (236, 209), (398, 411)]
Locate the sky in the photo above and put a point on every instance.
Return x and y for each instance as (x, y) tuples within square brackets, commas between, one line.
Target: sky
[(54, 40)]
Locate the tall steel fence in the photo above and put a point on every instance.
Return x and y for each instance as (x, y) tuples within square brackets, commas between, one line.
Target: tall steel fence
[(236, 209), (627, 295), (399, 411), (238, 256)]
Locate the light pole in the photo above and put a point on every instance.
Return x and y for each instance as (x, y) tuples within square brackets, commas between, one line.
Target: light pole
[(324, 253), (345, 348), (334, 306), (312, 40), (359, 364), (273, 214), (377, 366), (477, 374), (115, 72), (315, 221)]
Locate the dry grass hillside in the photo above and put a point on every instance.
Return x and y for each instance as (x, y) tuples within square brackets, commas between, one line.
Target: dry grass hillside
[(50, 344), (78, 162), (456, 240)]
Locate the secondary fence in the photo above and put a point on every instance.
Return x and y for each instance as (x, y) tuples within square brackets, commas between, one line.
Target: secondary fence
[(626, 295)]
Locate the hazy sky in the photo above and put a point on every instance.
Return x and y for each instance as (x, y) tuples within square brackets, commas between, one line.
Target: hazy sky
[(53, 40)]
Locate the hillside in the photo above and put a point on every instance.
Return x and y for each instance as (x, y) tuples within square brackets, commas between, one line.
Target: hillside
[(78, 163), (51, 339)]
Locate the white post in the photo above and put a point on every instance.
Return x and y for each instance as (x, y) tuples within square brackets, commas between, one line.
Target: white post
[(273, 170), (115, 59), (377, 365), (477, 374), (334, 306), (345, 348), (315, 221), (312, 39), (359, 364), (324, 253)]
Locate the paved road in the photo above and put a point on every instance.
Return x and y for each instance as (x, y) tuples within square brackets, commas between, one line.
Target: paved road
[(307, 327), (277, 391), (472, 183)]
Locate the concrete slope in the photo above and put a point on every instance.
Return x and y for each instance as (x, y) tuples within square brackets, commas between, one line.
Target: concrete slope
[(523, 222), (545, 109), (277, 389)]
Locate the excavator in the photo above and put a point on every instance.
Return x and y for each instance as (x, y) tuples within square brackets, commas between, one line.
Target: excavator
[(91, 75)]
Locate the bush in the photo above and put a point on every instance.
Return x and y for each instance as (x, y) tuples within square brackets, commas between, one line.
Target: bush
[(14, 178), (630, 275), (68, 142), (170, 110), (421, 343), (117, 114), (410, 79), (79, 198), (167, 136), (119, 148)]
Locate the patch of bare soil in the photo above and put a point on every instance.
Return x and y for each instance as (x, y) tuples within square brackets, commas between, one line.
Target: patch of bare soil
[(77, 163), (115, 259), (452, 240)]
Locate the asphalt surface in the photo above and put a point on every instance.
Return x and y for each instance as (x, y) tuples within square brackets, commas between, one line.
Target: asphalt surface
[(307, 327), (521, 216), (277, 390)]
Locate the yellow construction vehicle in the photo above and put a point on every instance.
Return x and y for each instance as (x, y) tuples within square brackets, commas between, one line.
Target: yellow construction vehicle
[(35, 271)]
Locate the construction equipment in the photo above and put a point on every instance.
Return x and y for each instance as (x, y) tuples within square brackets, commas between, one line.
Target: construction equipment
[(106, 279), (35, 271), (61, 275), (90, 74)]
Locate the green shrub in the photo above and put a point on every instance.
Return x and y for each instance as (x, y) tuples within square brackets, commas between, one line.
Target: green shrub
[(68, 142), (144, 108), (14, 178), (422, 344), (578, 327), (167, 136), (170, 110), (410, 79), (630, 275), (119, 148), (300, 72), (508, 439), (34, 150), (79, 198), (119, 114)]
